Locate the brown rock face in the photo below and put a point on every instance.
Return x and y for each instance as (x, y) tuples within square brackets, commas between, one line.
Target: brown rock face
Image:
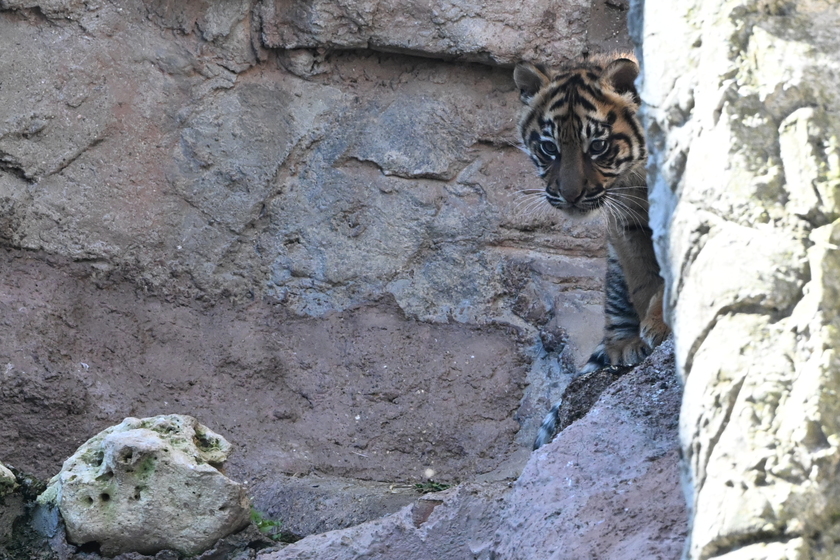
[(484, 31), (196, 218)]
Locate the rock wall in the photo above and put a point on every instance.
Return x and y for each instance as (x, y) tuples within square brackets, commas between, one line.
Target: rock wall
[(742, 110), (219, 150), (301, 222)]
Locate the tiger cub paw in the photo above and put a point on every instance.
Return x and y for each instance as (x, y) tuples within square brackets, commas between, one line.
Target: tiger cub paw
[(653, 328), (628, 351)]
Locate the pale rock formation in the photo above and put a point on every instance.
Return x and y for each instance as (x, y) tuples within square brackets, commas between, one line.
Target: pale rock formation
[(741, 108), (147, 485), (11, 504), (7, 480)]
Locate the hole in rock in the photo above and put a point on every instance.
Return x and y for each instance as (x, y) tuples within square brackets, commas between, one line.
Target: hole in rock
[(89, 547), (203, 442), (105, 496)]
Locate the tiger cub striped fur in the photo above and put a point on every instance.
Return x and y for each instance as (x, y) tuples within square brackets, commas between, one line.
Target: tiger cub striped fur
[(581, 129)]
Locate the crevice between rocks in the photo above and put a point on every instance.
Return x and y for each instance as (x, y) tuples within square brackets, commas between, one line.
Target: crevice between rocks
[(66, 162), (715, 549), (742, 308), (713, 441)]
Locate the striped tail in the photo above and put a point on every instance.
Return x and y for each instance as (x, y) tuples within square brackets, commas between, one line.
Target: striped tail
[(549, 426)]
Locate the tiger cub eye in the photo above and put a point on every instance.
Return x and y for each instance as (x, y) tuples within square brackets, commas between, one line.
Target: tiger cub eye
[(598, 146), (548, 148)]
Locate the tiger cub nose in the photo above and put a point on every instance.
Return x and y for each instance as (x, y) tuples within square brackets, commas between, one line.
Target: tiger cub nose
[(572, 194)]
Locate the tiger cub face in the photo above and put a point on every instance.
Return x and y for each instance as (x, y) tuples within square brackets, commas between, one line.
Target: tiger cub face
[(581, 130)]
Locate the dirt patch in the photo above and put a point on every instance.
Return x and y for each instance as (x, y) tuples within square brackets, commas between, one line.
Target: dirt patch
[(583, 392)]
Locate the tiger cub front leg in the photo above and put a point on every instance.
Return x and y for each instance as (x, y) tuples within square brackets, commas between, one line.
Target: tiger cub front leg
[(622, 344), (654, 329), (632, 250)]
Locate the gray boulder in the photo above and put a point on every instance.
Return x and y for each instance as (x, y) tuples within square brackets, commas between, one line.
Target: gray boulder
[(607, 487), (147, 485)]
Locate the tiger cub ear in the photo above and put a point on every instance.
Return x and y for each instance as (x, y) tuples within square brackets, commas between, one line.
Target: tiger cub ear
[(620, 76), (529, 79)]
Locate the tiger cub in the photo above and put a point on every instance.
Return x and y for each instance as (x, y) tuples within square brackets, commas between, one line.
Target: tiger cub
[(581, 129)]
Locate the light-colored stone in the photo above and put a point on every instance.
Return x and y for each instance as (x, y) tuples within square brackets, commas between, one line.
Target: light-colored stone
[(794, 549), (147, 485), (740, 104), (7, 480), (11, 502)]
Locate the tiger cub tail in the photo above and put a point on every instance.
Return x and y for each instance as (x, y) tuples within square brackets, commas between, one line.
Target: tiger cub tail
[(548, 429)]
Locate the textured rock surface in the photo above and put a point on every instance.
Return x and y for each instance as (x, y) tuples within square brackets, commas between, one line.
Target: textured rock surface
[(278, 386), (175, 152), (147, 485), (486, 31), (172, 182), (455, 524), (741, 105), (606, 488), (308, 505), (11, 503), (162, 156)]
